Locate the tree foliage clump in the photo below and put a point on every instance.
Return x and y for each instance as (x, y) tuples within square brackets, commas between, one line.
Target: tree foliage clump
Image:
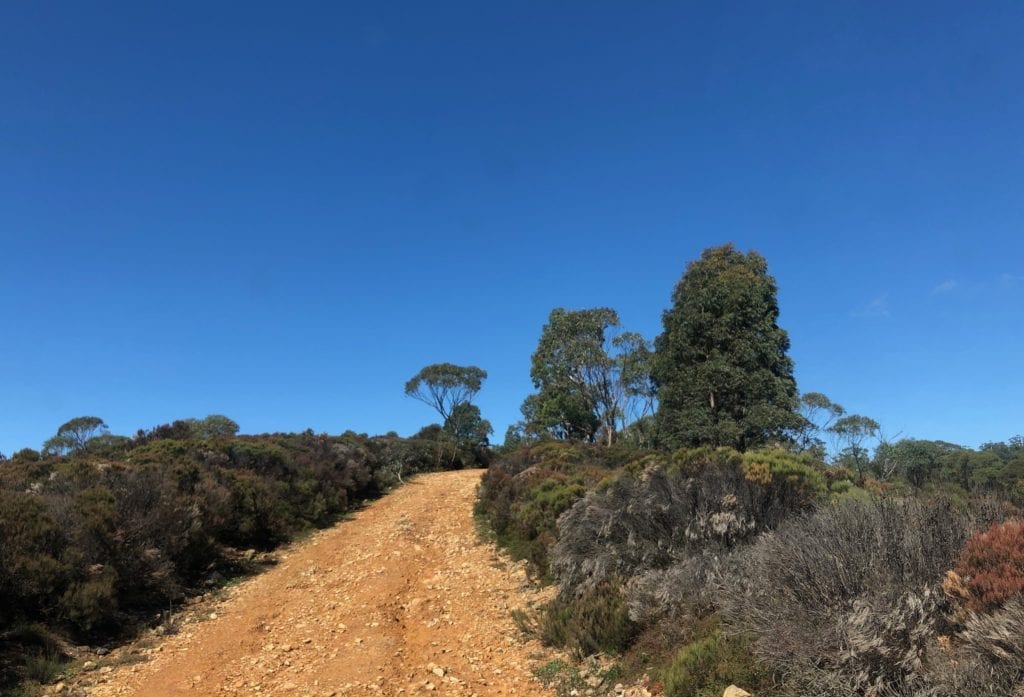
[(444, 386), (73, 436), (721, 366), (590, 384), (467, 426)]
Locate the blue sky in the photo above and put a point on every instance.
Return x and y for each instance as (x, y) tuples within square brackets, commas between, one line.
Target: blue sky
[(282, 213)]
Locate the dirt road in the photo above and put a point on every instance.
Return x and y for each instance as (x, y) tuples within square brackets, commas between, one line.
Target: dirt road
[(401, 599)]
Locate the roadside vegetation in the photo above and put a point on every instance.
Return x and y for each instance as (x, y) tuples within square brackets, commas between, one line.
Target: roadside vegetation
[(102, 536), (708, 524)]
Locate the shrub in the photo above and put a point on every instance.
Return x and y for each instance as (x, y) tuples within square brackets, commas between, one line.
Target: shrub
[(706, 667), (992, 563), (848, 595), (32, 547), (596, 621), (523, 493), (91, 604), (651, 519), (683, 591), (990, 657)]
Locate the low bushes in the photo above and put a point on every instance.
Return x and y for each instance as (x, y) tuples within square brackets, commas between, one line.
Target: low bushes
[(670, 510), (992, 563), (524, 492), (704, 668), (94, 546), (769, 571), (851, 594), (597, 621)]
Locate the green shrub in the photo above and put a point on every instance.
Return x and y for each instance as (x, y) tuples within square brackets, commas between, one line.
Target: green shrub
[(91, 604), (45, 666), (596, 621), (32, 544), (706, 667)]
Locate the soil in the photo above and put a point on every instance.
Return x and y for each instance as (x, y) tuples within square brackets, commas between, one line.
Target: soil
[(403, 598)]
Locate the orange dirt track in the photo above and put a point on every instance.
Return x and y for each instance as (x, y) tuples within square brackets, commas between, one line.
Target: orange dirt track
[(401, 599)]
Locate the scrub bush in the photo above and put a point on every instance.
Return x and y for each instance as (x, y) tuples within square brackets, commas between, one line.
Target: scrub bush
[(701, 501), (992, 564), (850, 595), (596, 621)]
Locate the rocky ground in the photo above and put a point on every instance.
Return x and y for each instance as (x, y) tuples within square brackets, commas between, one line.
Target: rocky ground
[(401, 599)]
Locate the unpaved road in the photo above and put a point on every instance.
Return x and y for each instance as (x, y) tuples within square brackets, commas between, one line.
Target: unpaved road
[(401, 599)]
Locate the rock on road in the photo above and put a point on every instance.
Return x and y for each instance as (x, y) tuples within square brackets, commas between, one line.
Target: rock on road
[(400, 599)]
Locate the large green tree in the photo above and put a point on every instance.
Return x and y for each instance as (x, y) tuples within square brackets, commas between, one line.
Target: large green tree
[(444, 386), (579, 393), (721, 366)]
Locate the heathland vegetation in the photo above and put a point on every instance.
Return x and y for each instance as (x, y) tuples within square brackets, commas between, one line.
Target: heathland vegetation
[(708, 524), (705, 521), (104, 535)]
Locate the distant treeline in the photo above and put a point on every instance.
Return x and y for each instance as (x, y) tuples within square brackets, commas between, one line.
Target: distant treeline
[(99, 533)]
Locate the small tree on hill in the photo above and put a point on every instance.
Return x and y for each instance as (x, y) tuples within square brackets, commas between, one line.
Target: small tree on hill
[(72, 436), (444, 386)]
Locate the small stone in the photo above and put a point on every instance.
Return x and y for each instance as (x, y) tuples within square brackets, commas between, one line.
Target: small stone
[(88, 665), (438, 671), (733, 691)]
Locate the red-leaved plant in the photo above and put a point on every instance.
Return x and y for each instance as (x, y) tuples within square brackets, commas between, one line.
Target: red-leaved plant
[(992, 565)]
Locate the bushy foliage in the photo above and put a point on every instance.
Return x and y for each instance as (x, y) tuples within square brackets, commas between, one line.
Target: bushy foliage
[(990, 656), (704, 668), (524, 492), (597, 621), (849, 595), (661, 512), (680, 593), (95, 541), (721, 364), (992, 563)]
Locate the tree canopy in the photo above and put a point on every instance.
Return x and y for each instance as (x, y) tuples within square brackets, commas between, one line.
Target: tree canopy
[(73, 435), (721, 366), (444, 386), (467, 426), (578, 392)]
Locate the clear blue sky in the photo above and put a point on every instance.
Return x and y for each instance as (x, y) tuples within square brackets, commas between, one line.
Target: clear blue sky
[(280, 212)]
